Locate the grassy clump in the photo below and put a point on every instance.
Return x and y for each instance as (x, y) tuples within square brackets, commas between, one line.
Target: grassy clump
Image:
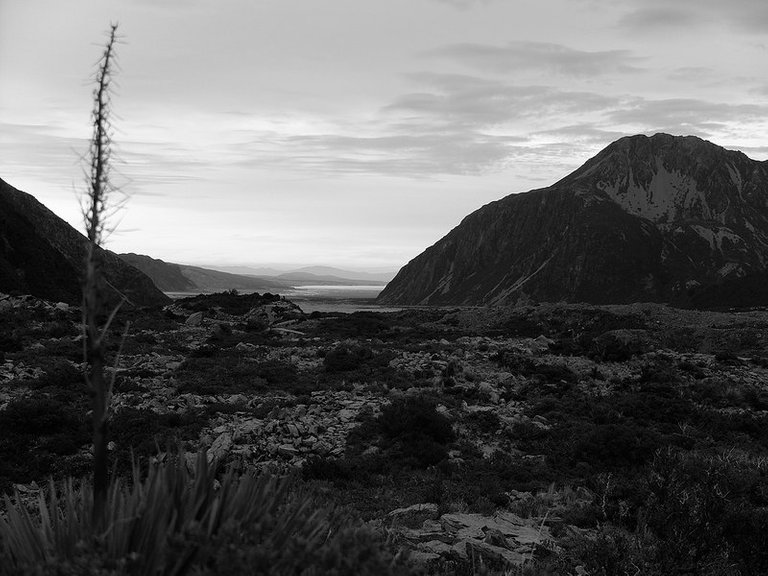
[(177, 521)]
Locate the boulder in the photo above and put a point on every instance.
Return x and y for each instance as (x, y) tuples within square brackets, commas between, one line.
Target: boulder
[(220, 447), (194, 319)]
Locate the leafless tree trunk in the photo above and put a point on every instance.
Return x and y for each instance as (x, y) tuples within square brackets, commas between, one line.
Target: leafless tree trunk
[(96, 209)]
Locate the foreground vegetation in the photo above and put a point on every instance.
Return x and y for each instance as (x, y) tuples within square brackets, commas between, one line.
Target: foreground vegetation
[(635, 437)]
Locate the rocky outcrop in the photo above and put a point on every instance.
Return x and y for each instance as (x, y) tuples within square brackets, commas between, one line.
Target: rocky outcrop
[(661, 219), (42, 255), (503, 539)]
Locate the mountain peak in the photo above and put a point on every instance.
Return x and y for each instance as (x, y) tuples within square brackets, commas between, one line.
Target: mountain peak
[(648, 218)]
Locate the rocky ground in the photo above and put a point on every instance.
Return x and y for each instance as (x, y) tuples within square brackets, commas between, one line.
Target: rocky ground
[(521, 438)]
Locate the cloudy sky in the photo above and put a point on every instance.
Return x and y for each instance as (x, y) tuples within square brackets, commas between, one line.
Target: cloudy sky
[(358, 132)]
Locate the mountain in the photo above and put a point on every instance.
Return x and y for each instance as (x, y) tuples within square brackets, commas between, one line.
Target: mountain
[(327, 274), (170, 277), (661, 218), (247, 270), (42, 255), (304, 277), (339, 273)]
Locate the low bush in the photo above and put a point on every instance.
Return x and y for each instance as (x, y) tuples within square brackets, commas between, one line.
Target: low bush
[(346, 357), (217, 372), (35, 433), (139, 433), (60, 373), (230, 302), (409, 433)]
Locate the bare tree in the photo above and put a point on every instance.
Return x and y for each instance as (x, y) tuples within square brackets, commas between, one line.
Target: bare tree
[(97, 316)]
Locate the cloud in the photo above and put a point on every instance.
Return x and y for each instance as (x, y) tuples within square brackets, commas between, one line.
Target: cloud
[(689, 74), (455, 125), (523, 55), (683, 115), (464, 4), (660, 18), (414, 156), (456, 100), (652, 15), (586, 133)]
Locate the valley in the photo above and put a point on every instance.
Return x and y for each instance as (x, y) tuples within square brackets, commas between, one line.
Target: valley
[(545, 438)]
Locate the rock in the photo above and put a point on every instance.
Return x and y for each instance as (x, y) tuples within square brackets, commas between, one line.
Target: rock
[(421, 557), (321, 448), (493, 554), (249, 426), (273, 313), (195, 319), (245, 347), (220, 447), (435, 547), (509, 525), (287, 450), (414, 515)]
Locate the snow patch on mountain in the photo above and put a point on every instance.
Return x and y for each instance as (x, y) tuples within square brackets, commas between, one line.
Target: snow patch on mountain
[(667, 197), (716, 236)]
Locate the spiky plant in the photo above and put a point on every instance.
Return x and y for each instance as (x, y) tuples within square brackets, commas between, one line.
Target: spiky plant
[(179, 521), (97, 206)]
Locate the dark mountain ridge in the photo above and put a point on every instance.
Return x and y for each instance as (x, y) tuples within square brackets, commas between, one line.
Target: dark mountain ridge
[(42, 255), (661, 219)]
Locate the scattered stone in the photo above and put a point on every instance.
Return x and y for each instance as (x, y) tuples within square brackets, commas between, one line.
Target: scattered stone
[(287, 451), (195, 319), (414, 515), (220, 447)]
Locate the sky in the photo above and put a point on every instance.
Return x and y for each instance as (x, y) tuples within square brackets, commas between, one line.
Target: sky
[(356, 133)]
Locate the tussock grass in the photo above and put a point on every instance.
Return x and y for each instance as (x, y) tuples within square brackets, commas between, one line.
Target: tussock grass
[(181, 519)]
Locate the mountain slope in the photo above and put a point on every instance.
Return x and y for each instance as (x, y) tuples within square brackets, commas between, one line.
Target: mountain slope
[(661, 218), (42, 255), (170, 277)]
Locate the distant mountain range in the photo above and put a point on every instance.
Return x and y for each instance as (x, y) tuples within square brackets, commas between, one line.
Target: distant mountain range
[(170, 277), (42, 255), (322, 274), (662, 218)]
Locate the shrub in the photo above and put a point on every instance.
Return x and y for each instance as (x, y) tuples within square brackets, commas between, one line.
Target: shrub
[(138, 433), (346, 357), (34, 433), (409, 432), (218, 373), (704, 510), (229, 302), (60, 374)]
